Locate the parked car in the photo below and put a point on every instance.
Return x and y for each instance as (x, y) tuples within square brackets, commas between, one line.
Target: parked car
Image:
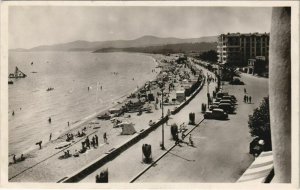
[(216, 114), (214, 106), (228, 108), (230, 97), (226, 102), (221, 94), (218, 100)]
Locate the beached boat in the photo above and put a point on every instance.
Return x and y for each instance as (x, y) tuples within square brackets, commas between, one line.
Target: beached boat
[(17, 74), (104, 116)]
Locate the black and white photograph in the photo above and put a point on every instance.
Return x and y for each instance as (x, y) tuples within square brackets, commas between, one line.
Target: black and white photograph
[(150, 93)]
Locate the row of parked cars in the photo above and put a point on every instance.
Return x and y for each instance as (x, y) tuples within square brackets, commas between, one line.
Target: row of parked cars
[(222, 105)]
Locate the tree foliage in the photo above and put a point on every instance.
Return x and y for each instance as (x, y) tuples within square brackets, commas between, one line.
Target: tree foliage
[(229, 72), (210, 56), (259, 123)]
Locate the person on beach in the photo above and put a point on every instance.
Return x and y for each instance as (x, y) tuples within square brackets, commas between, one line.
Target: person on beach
[(22, 158), (88, 88), (68, 123), (87, 142), (13, 113), (49, 120), (96, 140), (50, 136), (40, 144), (93, 142), (245, 91), (105, 138), (14, 158), (250, 99), (245, 98)]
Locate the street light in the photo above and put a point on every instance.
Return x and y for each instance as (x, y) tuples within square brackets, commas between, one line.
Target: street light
[(208, 96), (162, 114)]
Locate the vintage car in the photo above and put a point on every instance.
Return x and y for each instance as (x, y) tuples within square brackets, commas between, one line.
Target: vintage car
[(213, 106), (216, 114), (226, 102), (230, 97), (221, 94), (228, 108)]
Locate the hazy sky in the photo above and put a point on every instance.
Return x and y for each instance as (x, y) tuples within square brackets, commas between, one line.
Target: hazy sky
[(33, 26)]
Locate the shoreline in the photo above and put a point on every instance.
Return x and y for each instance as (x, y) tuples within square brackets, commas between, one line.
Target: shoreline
[(90, 117)]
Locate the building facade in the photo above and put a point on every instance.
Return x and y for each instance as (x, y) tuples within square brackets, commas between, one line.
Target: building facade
[(236, 49)]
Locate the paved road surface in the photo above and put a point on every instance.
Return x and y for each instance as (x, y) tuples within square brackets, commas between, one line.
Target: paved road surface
[(221, 147)]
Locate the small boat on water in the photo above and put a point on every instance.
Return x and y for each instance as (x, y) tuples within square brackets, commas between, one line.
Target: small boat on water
[(17, 74), (49, 89), (10, 82)]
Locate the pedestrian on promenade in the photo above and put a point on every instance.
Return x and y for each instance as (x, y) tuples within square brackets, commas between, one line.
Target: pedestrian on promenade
[(250, 99), (87, 142), (245, 91), (96, 140), (105, 138), (247, 99), (50, 136), (191, 140), (182, 135), (244, 98)]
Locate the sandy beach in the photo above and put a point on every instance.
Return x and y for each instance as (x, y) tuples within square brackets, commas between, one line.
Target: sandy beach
[(36, 166)]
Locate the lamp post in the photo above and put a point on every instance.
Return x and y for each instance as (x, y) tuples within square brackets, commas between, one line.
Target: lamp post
[(208, 97), (162, 116)]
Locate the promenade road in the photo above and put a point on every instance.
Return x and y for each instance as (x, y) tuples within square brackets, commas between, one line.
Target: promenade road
[(221, 147), (129, 163)]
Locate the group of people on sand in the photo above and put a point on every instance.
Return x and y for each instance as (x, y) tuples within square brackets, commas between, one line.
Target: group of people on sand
[(15, 159), (94, 142)]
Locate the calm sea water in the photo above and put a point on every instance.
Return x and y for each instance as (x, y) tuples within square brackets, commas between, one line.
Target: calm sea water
[(70, 74)]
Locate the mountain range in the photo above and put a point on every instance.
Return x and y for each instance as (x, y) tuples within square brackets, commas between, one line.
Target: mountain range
[(122, 45)]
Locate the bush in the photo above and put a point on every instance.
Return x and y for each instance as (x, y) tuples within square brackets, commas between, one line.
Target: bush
[(259, 124)]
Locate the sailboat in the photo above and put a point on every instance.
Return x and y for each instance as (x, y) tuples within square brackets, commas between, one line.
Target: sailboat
[(17, 74)]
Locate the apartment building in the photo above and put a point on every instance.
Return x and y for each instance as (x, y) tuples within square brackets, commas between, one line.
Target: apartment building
[(236, 49)]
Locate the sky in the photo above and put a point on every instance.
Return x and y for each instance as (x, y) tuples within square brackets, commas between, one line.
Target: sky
[(31, 26)]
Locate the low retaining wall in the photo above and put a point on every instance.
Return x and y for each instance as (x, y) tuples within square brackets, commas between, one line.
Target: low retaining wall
[(92, 167)]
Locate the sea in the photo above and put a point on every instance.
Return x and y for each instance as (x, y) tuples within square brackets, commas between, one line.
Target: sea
[(84, 84)]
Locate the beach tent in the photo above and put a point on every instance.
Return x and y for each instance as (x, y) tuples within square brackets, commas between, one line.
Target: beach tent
[(127, 129), (180, 95)]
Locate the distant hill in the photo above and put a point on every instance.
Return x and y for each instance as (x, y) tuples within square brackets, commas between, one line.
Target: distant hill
[(169, 48), (144, 41)]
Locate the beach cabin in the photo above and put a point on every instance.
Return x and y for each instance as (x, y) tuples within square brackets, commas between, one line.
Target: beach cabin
[(180, 95), (127, 128)]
